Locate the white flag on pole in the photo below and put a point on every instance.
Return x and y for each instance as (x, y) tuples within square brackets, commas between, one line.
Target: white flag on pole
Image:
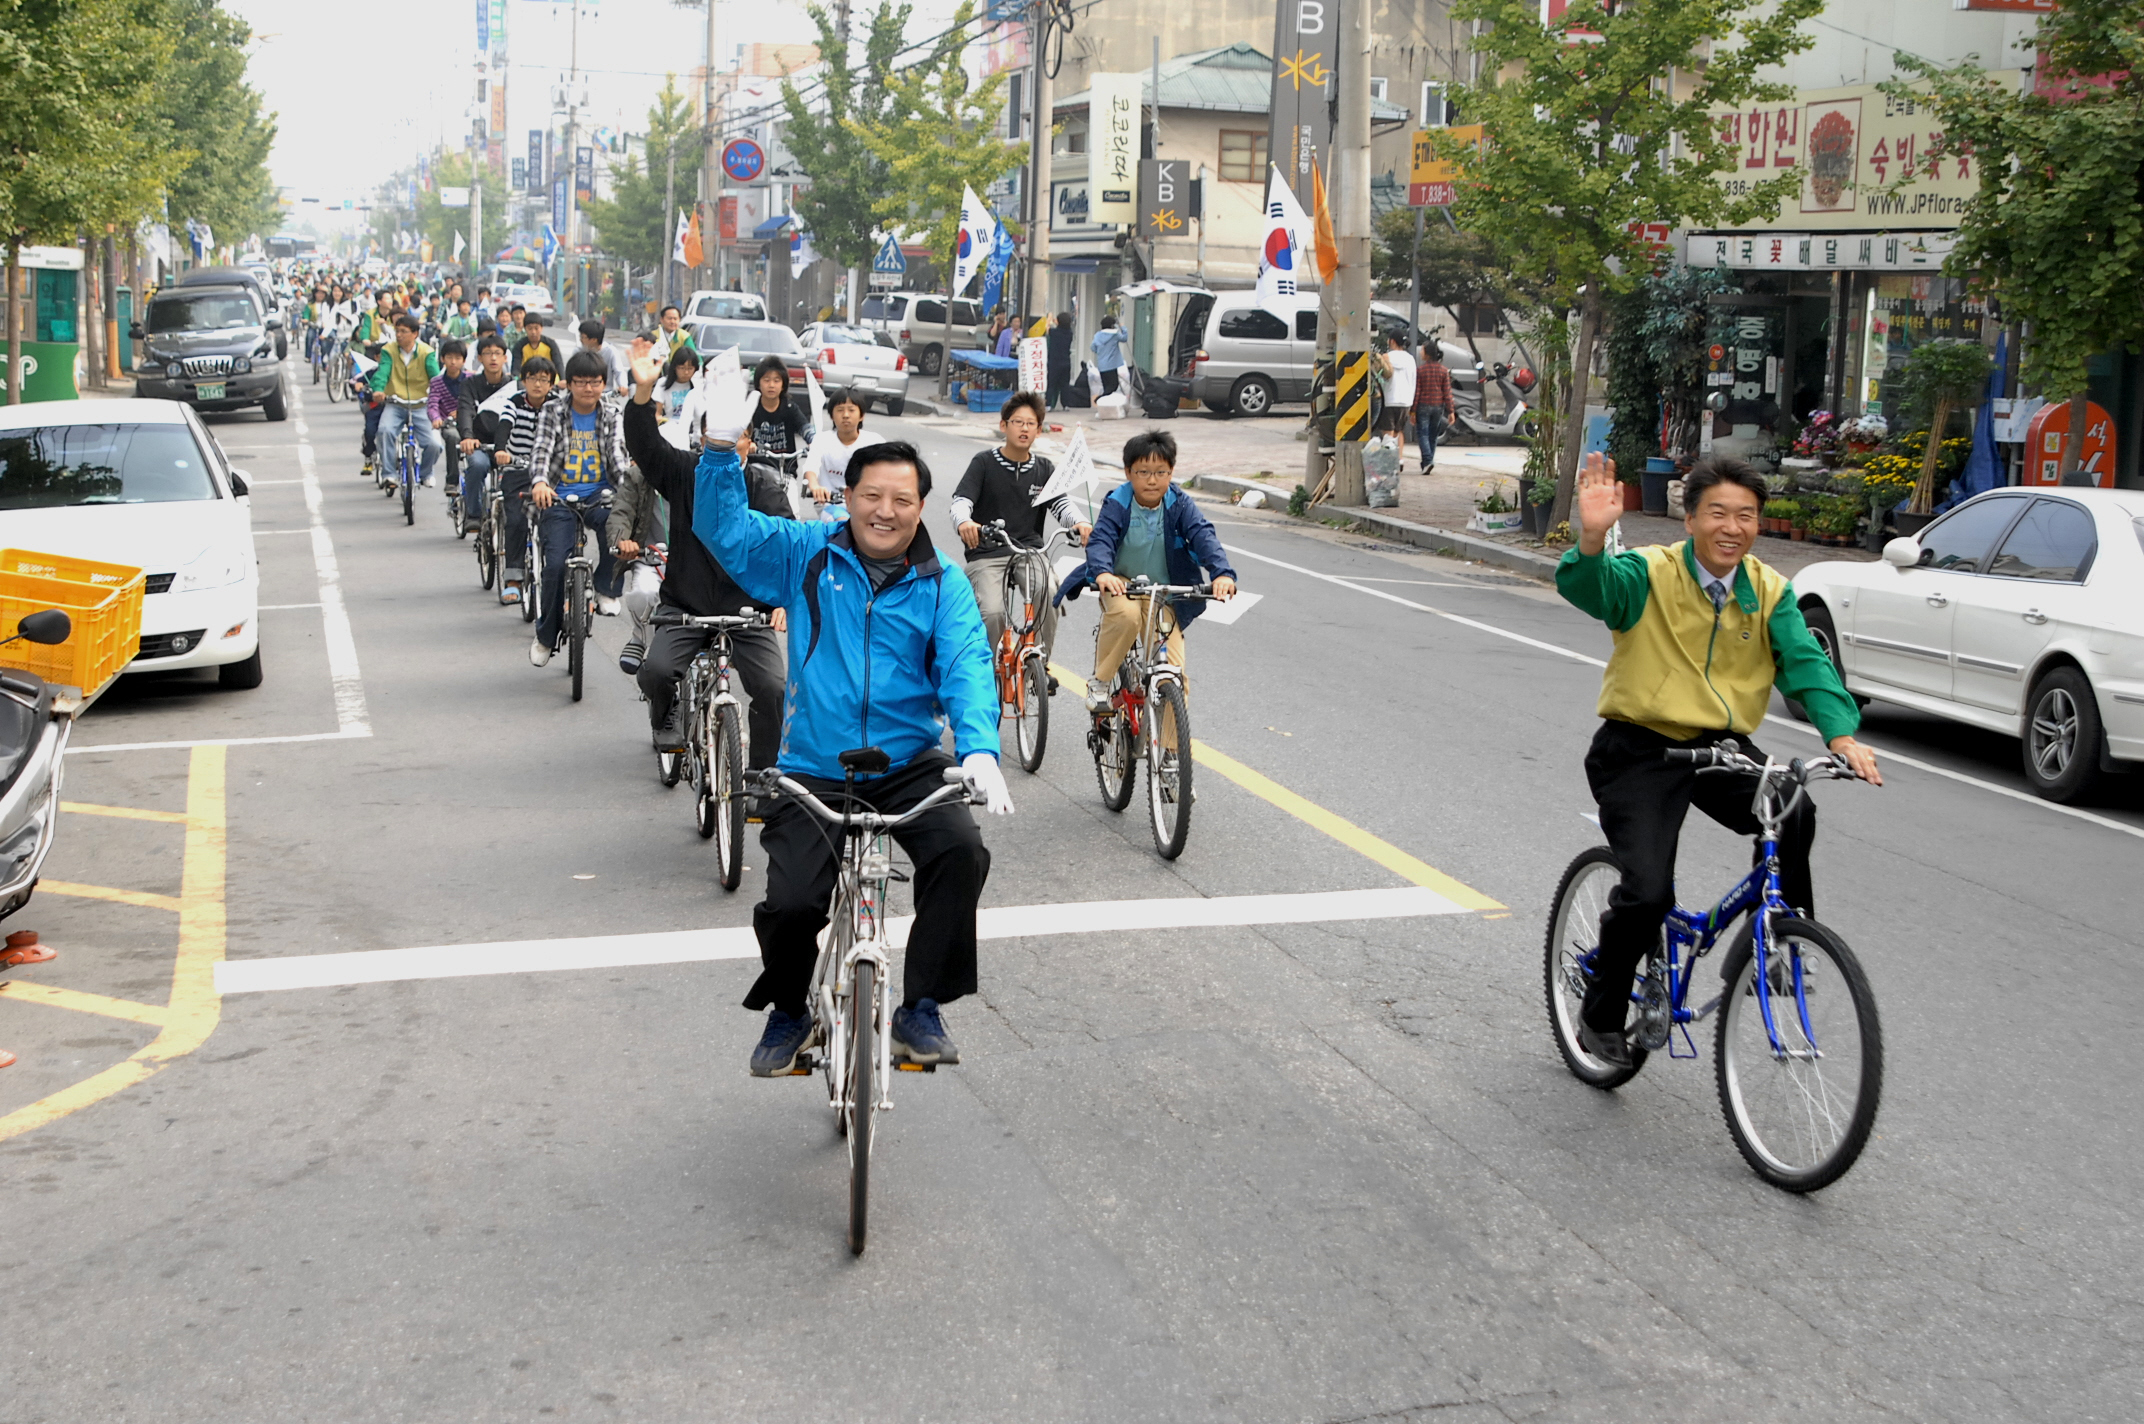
[(1287, 239), (495, 404), (978, 236), (816, 396), (457, 245), (1075, 471), (677, 243)]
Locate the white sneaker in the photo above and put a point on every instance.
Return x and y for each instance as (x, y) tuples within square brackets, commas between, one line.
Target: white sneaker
[(608, 607), (424, 482), (1097, 698), (539, 652)]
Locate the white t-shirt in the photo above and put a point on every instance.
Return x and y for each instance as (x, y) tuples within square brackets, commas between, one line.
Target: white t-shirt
[(1399, 386), (830, 458)]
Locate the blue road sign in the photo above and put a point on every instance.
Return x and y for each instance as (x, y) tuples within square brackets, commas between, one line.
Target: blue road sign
[(891, 261), (742, 160)]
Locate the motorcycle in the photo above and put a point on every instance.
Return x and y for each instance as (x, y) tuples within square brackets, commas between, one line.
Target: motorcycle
[(33, 742), (1470, 416)]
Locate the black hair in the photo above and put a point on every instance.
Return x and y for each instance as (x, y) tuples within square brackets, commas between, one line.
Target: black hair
[(1108, 322), (483, 291), (583, 364), (407, 322), (890, 452), (671, 307), (538, 366), (779, 367), (463, 302), (528, 316), (1064, 318), (1024, 400), (452, 347), (591, 330), (489, 341), (1149, 442), (843, 398), (1721, 470), (684, 352)]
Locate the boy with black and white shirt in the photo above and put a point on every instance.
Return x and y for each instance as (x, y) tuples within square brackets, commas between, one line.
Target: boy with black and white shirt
[(1001, 484)]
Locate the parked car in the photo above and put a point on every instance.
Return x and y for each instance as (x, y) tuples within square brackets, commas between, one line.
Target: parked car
[(2020, 611), (710, 305), (917, 322), (142, 482), (211, 346), (244, 277), (755, 341), (1244, 359), (860, 361)]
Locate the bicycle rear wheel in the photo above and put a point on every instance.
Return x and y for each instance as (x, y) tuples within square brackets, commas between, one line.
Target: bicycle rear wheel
[(669, 766), (726, 776), (707, 805), (338, 377), (1574, 934), (487, 553), (1031, 710), (1800, 1114), (1168, 773), (576, 611), (1114, 757), (862, 1097), (531, 573)]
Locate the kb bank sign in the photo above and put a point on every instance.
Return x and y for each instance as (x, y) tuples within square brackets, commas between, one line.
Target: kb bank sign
[(1303, 55)]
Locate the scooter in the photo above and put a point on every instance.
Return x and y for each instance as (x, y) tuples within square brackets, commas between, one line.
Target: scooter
[(1470, 417), (33, 741)]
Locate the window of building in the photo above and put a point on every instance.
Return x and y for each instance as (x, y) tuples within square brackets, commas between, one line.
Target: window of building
[(1378, 86), (1436, 109), (1243, 156), (1072, 138)]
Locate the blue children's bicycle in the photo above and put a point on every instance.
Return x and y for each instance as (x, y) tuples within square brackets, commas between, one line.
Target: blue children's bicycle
[(1799, 1055)]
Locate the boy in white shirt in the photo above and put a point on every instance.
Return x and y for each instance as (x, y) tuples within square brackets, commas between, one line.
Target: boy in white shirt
[(827, 475)]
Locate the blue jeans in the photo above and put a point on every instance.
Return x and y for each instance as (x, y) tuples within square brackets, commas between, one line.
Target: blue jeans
[(392, 418), (476, 468), (1429, 425), (554, 526)]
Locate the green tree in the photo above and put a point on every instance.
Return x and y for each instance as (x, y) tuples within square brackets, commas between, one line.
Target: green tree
[(205, 108), (1587, 137), (2057, 228), (847, 178), (635, 222), (938, 137), (438, 222)]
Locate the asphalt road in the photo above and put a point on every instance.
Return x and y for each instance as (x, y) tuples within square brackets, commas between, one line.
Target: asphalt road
[(1319, 1171)]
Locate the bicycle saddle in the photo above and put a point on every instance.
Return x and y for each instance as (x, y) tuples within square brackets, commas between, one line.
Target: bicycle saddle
[(865, 761)]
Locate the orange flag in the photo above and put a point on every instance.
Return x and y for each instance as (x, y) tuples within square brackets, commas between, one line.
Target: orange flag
[(694, 254), (1322, 224)]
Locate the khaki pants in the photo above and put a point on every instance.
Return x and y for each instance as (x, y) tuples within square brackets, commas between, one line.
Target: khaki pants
[(1122, 619), (988, 577)]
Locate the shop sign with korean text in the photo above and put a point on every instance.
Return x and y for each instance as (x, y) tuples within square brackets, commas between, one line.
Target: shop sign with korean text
[(1114, 105), (1819, 252), (1430, 179), (1867, 160), (1302, 110)]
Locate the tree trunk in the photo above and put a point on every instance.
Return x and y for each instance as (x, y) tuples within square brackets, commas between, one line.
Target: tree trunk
[(14, 321), (1924, 489), (2073, 444), (1574, 416)]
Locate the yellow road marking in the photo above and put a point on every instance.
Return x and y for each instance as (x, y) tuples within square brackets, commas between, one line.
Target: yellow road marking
[(195, 1007), (86, 1003), (124, 813), (143, 898), (1354, 837)]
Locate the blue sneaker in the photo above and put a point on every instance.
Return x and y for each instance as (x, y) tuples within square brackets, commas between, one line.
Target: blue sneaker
[(779, 1046), (919, 1035)]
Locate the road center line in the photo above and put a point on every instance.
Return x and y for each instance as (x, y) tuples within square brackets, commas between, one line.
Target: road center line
[(457, 961)]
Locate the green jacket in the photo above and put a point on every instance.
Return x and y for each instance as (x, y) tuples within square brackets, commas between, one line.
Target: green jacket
[(1682, 667)]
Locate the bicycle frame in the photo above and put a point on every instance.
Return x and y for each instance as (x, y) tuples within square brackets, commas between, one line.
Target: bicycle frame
[(1146, 665), (1026, 572), (854, 934)]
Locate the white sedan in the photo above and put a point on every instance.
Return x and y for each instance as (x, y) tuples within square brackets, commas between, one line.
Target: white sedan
[(143, 483), (2020, 611)]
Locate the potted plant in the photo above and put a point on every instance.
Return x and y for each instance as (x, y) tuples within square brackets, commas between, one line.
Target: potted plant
[(1950, 375), (1820, 439), (1494, 512), (1777, 517), (1654, 483), (1798, 521), (1540, 497)]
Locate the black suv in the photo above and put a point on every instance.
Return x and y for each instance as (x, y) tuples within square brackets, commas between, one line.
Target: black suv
[(213, 346)]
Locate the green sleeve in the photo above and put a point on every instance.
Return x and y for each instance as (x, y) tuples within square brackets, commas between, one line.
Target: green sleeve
[(1807, 675), (431, 364), (377, 381), (1613, 590)]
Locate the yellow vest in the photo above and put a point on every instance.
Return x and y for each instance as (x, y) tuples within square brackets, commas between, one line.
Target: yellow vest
[(1683, 668), (410, 380)]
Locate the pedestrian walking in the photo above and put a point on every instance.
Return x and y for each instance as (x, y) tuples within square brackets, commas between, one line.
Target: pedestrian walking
[(1108, 348), (1058, 347), (1432, 400)]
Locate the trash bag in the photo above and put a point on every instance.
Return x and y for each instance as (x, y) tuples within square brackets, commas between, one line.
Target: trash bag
[(1381, 473)]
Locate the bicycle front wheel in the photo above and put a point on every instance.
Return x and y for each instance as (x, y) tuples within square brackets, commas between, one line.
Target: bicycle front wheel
[(338, 377), (487, 554), (1114, 758), (531, 573), (1031, 711), (726, 777), (701, 741), (862, 1097), (1574, 937), (1168, 772), (576, 625), (409, 495), (1800, 1100)]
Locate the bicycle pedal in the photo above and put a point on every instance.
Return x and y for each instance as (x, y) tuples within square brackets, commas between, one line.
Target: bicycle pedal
[(904, 1066), (802, 1066)]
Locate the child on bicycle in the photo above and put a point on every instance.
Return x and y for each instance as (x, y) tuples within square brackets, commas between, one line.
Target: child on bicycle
[(826, 482), (1703, 632), (1146, 528), (443, 404), (1001, 484), (510, 452)]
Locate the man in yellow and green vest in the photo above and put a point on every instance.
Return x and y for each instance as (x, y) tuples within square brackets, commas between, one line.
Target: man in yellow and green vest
[(403, 381), (1703, 633)]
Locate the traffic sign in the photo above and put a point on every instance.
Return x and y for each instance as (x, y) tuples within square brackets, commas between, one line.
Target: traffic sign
[(743, 160), (890, 265)]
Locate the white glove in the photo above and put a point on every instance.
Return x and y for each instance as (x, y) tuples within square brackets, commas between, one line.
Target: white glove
[(725, 397), (981, 769)]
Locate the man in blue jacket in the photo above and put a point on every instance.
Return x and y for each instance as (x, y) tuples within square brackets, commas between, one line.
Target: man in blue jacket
[(885, 647), (1146, 527)]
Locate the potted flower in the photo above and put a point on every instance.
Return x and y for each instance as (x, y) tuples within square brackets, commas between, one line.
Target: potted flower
[(1798, 521), (1777, 517), (1540, 497), (1820, 439), (1494, 512)]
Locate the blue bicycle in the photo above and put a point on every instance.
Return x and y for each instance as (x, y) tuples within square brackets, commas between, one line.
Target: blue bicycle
[(409, 460), (1799, 1051)]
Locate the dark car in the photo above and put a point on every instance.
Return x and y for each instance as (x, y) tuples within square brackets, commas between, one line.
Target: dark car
[(244, 277), (212, 346)]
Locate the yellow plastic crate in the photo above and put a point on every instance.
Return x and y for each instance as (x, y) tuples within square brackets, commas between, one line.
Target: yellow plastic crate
[(104, 603)]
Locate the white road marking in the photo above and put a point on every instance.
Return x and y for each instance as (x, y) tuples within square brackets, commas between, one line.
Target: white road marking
[(351, 717), (279, 607), (80, 750), (454, 961), (1884, 754)]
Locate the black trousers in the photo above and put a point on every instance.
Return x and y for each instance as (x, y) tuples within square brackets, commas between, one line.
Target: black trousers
[(951, 865), (1053, 395), (1643, 799), (756, 654)]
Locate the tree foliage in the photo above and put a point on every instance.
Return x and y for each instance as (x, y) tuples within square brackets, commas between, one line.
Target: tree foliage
[(1584, 139), (2056, 231), (840, 208), (205, 108), (634, 222)]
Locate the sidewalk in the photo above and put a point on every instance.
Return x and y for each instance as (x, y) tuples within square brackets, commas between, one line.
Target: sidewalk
[(1268, 452)]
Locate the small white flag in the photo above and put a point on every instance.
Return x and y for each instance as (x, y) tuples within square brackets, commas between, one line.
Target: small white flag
[(457, 246), (677, 244), (815, 395), (1286, 240), (495, 403), (1074, 471), (360, 365)]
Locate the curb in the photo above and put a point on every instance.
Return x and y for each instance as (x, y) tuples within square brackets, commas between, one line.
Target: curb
[(1438, 541)]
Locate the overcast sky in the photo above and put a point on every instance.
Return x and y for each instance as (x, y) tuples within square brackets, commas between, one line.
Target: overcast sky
[(351, 108)]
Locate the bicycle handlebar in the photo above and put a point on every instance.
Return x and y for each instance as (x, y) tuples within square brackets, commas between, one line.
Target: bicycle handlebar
[(724, 622), (1140, 588), (1800, 771), (868, 823), (995, 533)]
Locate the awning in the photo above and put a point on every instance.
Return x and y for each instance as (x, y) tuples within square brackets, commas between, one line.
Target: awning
[(1076, 264), (772, 227)]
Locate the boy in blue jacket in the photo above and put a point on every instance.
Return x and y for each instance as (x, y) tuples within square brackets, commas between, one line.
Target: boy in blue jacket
[(1147, 527)]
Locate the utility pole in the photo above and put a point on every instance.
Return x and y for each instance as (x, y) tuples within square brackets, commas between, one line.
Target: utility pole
[(710, 160), (1040, 202), (573, 166), (1351, 225), (669, 220)]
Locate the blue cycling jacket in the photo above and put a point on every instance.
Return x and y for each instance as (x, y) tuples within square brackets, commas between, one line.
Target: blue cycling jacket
[(886, 670)]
